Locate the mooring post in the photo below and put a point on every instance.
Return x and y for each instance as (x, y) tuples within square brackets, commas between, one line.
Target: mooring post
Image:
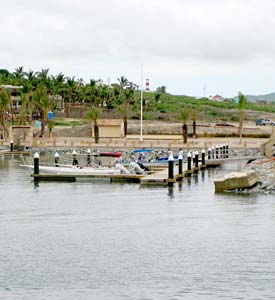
[(203, 159), (217, 151), (194, 158), (180, 158), (11, 145), (213, 152), (56, 159), (171, 169), (189, 164), (75, 162), (196, 161), (223, 147), (36, 163), (209, 153), (88, 157)]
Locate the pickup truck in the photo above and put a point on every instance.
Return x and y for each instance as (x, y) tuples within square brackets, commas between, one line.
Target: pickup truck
[(265, 122)]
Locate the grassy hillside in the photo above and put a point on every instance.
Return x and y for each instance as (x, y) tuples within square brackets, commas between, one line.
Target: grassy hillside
[(169, 106), (253, 98)]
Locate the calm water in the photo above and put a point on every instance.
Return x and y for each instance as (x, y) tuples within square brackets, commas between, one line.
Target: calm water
[(96, 240)]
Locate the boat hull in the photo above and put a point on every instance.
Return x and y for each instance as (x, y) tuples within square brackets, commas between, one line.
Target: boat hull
[(75, 170)]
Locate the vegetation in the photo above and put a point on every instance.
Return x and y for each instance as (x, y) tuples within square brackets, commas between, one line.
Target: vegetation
[(4, 104), (184, 116), (93, 115), (40, 92)]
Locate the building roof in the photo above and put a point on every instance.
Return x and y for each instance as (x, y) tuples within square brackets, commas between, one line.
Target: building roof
[(217, 97), (11, 87)]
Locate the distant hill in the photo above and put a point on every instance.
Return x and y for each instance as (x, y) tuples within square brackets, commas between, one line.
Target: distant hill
[(253, 98)]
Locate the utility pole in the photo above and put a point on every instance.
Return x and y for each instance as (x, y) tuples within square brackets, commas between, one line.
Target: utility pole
[(141, 102)]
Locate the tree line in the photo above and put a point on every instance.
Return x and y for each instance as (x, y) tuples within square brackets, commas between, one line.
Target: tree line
[(39, 90)]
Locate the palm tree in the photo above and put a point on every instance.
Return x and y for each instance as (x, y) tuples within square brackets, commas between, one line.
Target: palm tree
[(30, 77), (19, 75), (4, 105), (123, 82), (23, 111), (27, 92), (70, 92), (43, 105), (43, 77), (194, 116), (92, 115), (124, 110), (58, 82), (242, 106), (184, 116), (127, 101)]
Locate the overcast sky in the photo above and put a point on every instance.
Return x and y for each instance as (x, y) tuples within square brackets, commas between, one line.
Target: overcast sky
[(226, 45)]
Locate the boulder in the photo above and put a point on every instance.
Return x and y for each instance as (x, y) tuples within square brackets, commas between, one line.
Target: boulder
[(236, 180)]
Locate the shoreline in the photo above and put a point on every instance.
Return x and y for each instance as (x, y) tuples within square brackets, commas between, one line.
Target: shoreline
[(133, 141)]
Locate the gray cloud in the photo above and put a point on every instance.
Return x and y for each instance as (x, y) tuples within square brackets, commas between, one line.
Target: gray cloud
[(112, 36)]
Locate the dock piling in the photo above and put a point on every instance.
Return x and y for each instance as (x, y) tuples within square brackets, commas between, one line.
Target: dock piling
[(36, 163), (203, 166), (189, 164), (75, 162), (180, 158), (196, 169), (221, 151), (56, 159), (11, 146), (88, 157), (226, 150), (209, 153), (171, 170)]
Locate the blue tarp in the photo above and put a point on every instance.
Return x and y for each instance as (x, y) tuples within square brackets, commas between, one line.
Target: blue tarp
[(142, 150)]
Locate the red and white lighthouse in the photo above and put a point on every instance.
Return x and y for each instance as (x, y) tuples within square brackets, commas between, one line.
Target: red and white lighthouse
[(147, 85)]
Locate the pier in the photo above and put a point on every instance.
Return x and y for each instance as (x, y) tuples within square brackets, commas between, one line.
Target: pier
[(159, 174)]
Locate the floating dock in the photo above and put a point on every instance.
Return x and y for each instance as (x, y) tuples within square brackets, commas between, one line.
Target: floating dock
[(14, 152), (74, 177), (158, 175)]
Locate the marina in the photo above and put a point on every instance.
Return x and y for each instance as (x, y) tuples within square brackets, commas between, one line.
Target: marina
[(102, 240), (137, 150)]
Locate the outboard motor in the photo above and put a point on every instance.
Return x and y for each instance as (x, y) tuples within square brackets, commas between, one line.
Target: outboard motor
[(135, 168), (122, 169)]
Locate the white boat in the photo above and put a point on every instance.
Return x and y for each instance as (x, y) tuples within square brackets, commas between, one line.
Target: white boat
[(67, 170)]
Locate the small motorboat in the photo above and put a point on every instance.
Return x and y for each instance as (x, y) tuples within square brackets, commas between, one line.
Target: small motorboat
[(117, 169), (110, 154)]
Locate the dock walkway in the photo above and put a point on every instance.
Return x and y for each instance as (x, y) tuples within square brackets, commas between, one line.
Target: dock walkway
[(157, 175)]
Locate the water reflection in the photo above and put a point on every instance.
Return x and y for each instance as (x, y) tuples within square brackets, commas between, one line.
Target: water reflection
[(180, 185), (196, 178), (171, 192), (202, 175)]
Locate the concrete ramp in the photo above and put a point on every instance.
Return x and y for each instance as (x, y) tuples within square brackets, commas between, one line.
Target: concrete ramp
[(236, 180)]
